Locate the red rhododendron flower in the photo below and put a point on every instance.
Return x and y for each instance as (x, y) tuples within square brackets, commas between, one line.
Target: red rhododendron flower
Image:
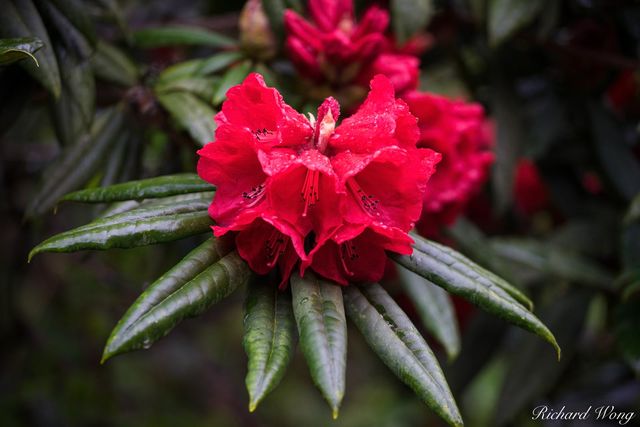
[(460, 132), (334, 49), (302, 190)]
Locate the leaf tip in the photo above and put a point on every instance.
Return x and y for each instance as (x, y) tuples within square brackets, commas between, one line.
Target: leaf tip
[(253, 405), (335, 412)]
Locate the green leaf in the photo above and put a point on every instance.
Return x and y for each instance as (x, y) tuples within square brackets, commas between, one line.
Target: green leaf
[(109, 233), (69, 37), (322, 327), (162, 186), (533, 372), (129, 205), (23, 20), (465, 266), (74, 110), (234, 76), (435, 308), (180, 35), (269, 339), (113, 65), (410, 17), (508, 16), (274, 9), (12, 50), (633, 214), (626, 326), (202, 87), (218, 62), (393, 337), (553, 260), (78, 162), (78, 15), (187, 290), (191, 113), (614, 153), (461, 277)]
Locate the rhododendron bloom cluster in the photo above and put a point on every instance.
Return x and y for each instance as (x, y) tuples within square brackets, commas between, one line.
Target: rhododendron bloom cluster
[(460, 132), (334, 49), (302, 191)]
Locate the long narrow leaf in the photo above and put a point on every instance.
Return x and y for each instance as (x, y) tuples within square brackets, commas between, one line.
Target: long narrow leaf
[(191, 113), (187, 290), (12, 50), (319, 313), (142, 232), (269, 339), (435, 308), (163, 186), (393, 337), (180, 35), (448, 272)]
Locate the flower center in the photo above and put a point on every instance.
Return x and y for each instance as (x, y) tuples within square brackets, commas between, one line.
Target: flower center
[(264, 135), (275, 246), (309, 191), (348, 254), (368, 203), (254, 196)]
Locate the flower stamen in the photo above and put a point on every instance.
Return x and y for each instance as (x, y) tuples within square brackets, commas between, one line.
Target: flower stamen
[(309, 191), (275, 246), (348, 253), (368, 203), (264, 135), (255, 195)]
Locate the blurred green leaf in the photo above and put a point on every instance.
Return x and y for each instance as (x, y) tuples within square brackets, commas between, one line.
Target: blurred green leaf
[(552, 260), (617, 158), (506, 17), (409, 17), (393, 337), (202, 87), (532, 371), (269, 339), (322, 327), (274, 9), (110, 233), (199, 67), (12, 50), (78, 162), (162, 186), (77, 14), (435, 308), (23, 20), (626, 327), (633, 214), (234, 76), (187, 290), (449, 270), (191, 113), (74, 110), (113, 65), (180, 35), (68, 36)]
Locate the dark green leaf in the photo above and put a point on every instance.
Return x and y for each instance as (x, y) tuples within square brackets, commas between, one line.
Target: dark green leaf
[(202, 87), (111, 64), (162, 186), (129, 234), (274, 9), (218, 62), (447, 269), (234, 76), (508, 16), (633, 214), (533, 371), (435, 308), (626, 327), (393, 337), (74, 110), (78, 14), (78, 162), (180, 35), (322, 327), (23, 20), (269, 339), (187, 290), (552, 260), (467, 267), (617, 157), (12, 50), (191, 113), (410, 17), (71, 38)]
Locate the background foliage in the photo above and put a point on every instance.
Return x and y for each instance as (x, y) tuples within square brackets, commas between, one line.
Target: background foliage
[(115, 98)]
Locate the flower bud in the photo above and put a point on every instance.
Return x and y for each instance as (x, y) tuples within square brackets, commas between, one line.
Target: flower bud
[(256, 37)]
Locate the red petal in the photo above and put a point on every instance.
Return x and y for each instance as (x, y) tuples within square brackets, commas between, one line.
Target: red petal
[(327, 14)]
